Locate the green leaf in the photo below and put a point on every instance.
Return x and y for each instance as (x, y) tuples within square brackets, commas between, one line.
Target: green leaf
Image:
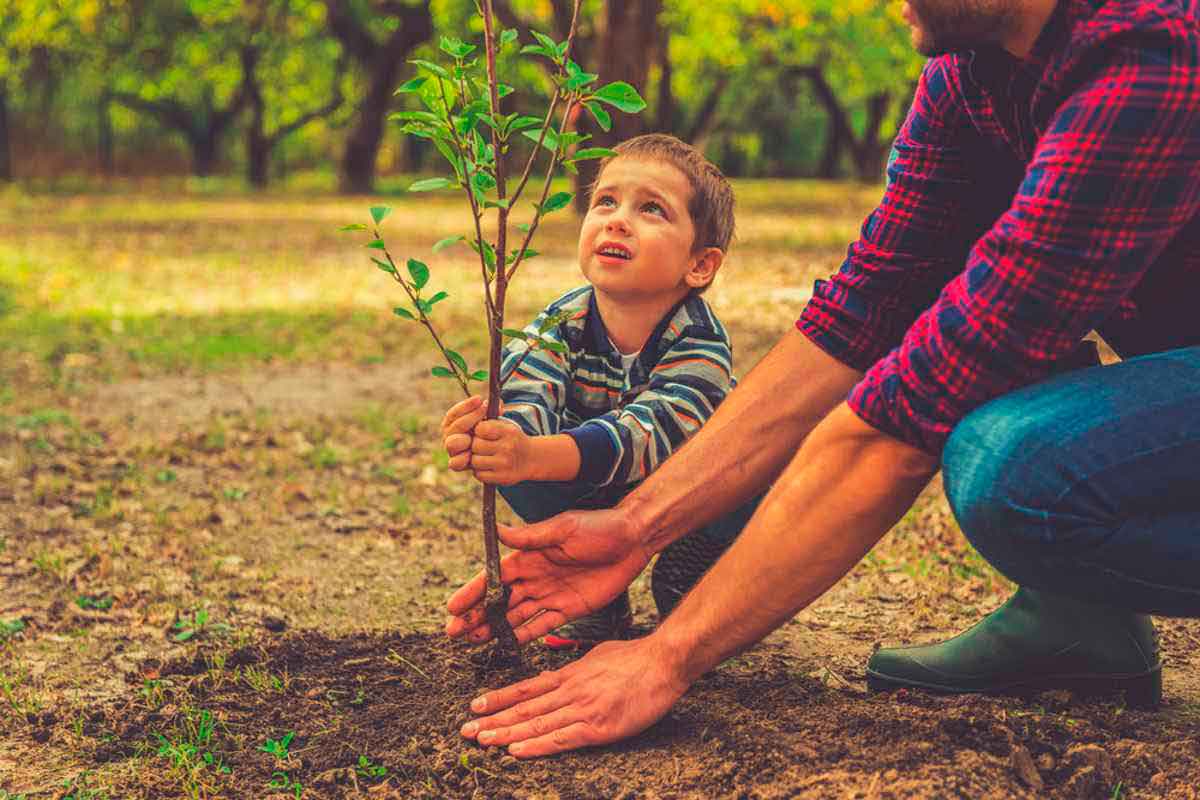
[(429, 66), (513, 333), (523, 124), (377, 245), (358, 226), (524, 227), (503, 90), (428, 117), (411, 86), (403, 313), (538, 50), (550, 142), (496, 203), (553, 346), (479, 375), (441, 372), (545, 41), (437, 298), (385, 266), (183, 637), (507, 37), (379, 212), (592, 152), (449, 241), (419, 273), (528, 254), (458, 360), (602, 117), (553, 321), (483, 182), (429, 184), (556, 201), (456, 48), (621, 96), (447, 151)]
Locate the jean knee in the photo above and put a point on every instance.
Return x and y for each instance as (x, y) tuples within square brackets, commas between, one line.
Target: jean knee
[(994, 488)]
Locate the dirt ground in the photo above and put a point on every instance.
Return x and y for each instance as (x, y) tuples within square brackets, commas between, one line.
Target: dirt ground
[(230, 582)]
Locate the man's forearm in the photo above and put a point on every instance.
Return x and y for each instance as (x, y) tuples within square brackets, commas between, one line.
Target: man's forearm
[(746, 443), (843, 491)]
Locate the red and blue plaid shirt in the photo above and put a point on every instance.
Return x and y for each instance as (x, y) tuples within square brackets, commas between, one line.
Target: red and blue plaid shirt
[(1028, 203)]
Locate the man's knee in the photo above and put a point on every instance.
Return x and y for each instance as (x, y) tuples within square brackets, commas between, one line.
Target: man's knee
[(995, 481)]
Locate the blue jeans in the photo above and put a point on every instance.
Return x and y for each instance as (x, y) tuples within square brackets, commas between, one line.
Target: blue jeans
[(1088, 484)]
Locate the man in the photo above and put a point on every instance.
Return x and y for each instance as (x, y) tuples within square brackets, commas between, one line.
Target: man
[(1045, 183)]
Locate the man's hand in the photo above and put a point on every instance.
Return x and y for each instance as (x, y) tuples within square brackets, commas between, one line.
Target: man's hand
[(617, 690), (458, 427), (564, 568)]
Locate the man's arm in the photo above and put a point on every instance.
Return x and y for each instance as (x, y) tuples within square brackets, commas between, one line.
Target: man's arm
[(844, 489), (574, 563)]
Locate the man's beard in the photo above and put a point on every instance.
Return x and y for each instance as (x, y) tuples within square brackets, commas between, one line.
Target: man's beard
[(946, 26)]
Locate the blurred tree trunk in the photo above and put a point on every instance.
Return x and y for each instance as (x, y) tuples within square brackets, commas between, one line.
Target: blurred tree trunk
[(664, 110), (259, 144), (626, 48), (105, 155), (201, 127), (6, 173), (866, 151), (706, 116), (382, 62)]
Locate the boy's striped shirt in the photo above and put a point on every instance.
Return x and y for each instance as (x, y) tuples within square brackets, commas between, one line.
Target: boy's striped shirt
[(624, 424)]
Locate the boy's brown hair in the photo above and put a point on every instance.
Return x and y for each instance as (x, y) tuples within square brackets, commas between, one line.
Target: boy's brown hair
[(711, 203)]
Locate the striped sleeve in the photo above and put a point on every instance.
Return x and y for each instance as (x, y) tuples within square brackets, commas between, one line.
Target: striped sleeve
[(625, 445), (535, 384)]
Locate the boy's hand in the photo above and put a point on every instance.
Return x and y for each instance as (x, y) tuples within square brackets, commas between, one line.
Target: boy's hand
[(457, 428), (500, 453)]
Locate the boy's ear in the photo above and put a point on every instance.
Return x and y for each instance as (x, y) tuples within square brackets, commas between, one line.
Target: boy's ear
[(704, 267)]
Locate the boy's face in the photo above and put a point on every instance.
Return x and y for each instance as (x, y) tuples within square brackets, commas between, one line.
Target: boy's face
[(636, 240)]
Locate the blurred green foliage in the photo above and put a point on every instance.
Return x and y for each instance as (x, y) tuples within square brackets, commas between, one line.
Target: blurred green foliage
[(154, 87)]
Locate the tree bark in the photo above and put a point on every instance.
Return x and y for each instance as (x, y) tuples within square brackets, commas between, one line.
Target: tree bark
[(626, 47), (202, 127), (382, 61), (866, 151), (706, 116), (6, 172), (664, 110), (105, 154), (869, 155)]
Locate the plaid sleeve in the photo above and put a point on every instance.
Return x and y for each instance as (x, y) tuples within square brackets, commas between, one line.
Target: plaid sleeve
[(535, 385), (685, 387), (911, 243), (1113, 179)]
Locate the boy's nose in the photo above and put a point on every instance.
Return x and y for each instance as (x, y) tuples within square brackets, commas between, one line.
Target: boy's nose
[(617, 222)]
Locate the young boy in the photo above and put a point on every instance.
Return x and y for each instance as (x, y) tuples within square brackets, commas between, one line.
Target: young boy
[(646, 364)]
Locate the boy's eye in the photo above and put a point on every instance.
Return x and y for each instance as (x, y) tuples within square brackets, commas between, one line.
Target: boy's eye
[(605, 200), (654, 208)]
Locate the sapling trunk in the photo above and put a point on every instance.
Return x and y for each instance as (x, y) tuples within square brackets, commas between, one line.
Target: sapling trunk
[(453, 122)]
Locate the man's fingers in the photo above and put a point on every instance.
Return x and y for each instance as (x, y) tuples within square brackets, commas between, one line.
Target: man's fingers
[(500, 699), (470, 595), (522, 712), (539, 626), (570, 737), (535, 726), (536, 537)]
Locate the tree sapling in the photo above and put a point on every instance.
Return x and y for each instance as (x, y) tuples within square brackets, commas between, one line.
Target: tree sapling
[(463, 118)]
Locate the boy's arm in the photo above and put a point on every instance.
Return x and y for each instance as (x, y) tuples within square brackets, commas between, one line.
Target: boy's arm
[(685, 387)]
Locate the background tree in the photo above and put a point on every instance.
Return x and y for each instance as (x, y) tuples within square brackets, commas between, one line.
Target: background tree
[(380, 37)]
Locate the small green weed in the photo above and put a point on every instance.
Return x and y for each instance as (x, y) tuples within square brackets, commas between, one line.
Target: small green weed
[(165, 476), (197, 625), (10, 628), (281, 780), (279, 747), (261, 680), (4, 795), (96, 602), (154, 693), (234, 494), (366, 769), (324, 457), (42, 418), (98, 506), (77, 788), (191, 754), (52, 565)]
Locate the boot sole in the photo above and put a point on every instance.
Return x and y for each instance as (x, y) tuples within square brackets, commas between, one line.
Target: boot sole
[(1142, 690)]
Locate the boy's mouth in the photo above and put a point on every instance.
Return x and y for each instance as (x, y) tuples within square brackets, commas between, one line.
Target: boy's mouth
[(614, 250)]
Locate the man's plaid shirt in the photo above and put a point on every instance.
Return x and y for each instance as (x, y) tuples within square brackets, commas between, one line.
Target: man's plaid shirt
[(1028, 203), (625, 423)]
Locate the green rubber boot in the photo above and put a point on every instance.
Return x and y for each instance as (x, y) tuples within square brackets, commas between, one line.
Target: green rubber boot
[(1034, 641)]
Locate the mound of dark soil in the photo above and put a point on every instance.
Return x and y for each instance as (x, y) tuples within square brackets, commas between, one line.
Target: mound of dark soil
[(755, 728)]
